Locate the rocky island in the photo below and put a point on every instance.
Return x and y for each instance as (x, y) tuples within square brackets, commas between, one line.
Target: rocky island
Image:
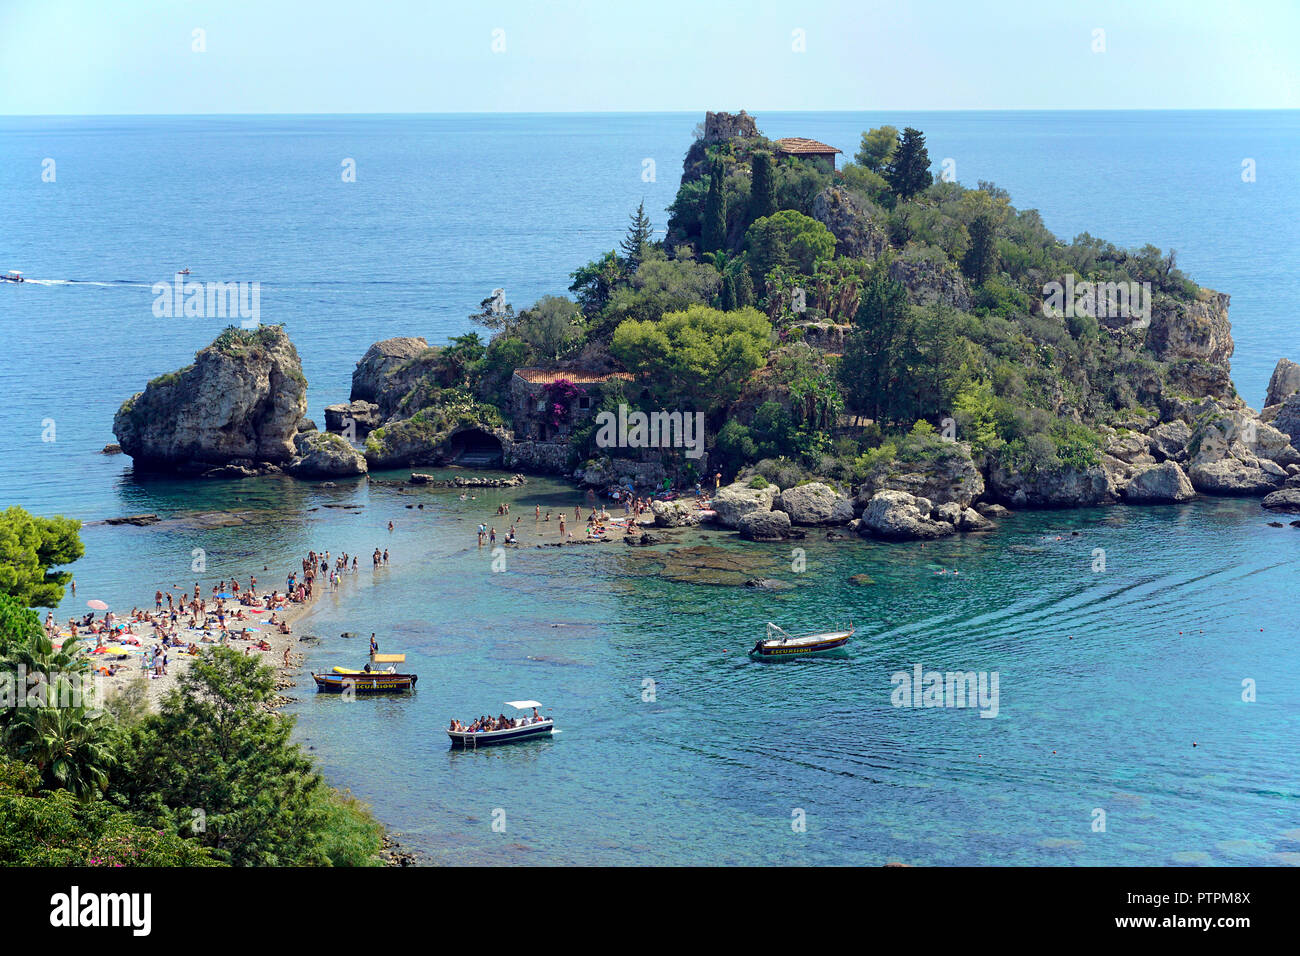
[(870, 347)]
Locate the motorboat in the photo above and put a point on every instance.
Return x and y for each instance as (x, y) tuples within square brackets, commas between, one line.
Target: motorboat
[(778, 645), (520, 729), (13, 275), (370, 679)]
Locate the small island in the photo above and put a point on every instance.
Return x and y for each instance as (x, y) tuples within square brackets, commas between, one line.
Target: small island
[(868, 346)]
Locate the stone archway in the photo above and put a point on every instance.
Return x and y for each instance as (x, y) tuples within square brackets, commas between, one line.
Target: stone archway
[(475, 448)]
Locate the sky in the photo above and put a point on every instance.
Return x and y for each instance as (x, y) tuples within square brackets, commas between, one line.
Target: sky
[(397, 56)]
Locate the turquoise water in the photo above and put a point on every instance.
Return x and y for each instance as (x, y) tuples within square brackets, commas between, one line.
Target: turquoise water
[(1101, 696)]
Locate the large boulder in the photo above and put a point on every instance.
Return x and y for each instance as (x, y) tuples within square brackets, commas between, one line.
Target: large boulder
[(1235, 476), (1287, 419), (364, 417), (374, 379), (738, 499), (1165, 482), (898, 516), (322, 455), (1233, 453), (815, 503), (1284, 499), (943, 472), (1284, 383), (1169, 440), (765, 526), (676, 514), (241, 400), (1059, 486)]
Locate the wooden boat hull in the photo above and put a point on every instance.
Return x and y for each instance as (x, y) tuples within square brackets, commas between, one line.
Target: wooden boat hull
[(778, 650), (365, 683), (461, 740)]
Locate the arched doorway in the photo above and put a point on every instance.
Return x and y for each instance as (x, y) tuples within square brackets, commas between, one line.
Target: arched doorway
[(475, 448)]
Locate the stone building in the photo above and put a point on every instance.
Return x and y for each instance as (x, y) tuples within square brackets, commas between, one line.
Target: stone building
[(801, 148), (533, 392)]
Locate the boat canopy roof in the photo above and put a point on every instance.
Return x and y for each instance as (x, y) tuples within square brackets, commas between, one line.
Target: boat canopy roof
[(389, 658), (522, 704)]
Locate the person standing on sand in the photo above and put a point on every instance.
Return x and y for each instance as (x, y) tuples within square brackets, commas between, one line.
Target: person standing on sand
[(157, 600), (561, 526)]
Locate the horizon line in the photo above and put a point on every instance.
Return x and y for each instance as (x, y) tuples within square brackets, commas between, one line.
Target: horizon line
[(660, 112)]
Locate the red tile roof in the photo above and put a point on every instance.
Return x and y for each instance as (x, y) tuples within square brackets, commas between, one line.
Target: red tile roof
[(797, 144), (579, 376)]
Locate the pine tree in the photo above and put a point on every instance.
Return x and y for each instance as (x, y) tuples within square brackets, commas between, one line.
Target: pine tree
[(762, 192), (713, 232), (908, 171), (634, 244)]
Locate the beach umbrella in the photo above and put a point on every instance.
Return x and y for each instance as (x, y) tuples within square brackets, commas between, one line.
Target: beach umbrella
[(97, 605)]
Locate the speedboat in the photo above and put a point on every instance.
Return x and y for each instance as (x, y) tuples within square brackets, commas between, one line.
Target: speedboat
[(524, 728), (368, 680), (13, 275), (183, 272), (778, 645)]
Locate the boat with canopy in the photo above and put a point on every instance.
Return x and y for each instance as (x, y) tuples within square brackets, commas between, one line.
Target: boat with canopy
[(517, 729), (368, 680)]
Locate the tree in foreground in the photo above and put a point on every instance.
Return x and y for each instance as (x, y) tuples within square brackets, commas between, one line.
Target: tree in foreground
[(29, 548), (217, 765)]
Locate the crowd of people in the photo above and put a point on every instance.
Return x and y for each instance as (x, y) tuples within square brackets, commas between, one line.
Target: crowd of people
[(501, 722), (183, 621)]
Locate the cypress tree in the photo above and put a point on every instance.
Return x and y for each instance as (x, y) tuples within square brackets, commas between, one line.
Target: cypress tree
[(728, 302), (981, 258), (762, 191), (713, 232), (908, 171)]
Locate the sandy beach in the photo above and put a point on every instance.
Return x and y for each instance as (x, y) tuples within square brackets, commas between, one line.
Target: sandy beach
[(179, 659)]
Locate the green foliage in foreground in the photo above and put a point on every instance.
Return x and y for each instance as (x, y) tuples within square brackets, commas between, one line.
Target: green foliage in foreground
[(217, 765), (29, 548), (53, 828)]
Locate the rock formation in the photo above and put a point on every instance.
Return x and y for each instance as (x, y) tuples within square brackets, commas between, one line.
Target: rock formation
[(238, 405), (737, 500)]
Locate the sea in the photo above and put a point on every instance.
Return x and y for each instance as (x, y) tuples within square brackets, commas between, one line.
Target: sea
[(1144, 659)]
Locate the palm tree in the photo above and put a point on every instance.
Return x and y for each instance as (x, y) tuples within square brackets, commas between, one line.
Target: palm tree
[(68, 745)]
